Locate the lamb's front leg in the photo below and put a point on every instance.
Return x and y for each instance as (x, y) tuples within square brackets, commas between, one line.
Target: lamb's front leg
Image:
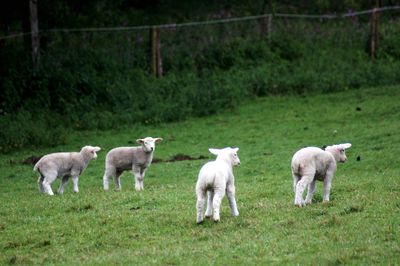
[(75, 183), (311, 190), (138, 178), (230, 193), (327, 184), (142, 172)]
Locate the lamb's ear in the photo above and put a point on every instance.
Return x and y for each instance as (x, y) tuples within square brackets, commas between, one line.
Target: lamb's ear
[(345, 145), (158, 140), (235, 149), (140, 141), (214, 151), (96, 149)]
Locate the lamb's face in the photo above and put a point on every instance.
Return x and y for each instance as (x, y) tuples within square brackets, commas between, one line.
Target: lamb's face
[(149, 143), (234, 157), (339, 151), (227, 154), (91, 151)]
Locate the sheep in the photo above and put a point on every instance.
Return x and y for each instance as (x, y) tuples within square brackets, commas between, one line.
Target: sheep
[(216, 178), (63, 165), (137, 159), (311, 164)]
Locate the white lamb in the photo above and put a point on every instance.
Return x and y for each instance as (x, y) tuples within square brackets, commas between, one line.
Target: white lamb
[(137, 159), (216, 178), (63, 165), (311, 164)]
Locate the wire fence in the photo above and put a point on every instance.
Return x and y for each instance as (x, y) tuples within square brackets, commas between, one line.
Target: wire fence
[(211, 22), (137, 46)]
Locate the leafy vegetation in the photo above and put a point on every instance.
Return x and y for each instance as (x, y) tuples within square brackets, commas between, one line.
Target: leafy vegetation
[(157, 226), (101, 80)]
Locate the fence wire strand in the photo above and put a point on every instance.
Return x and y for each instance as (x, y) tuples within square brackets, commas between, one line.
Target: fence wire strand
[(208, 22)]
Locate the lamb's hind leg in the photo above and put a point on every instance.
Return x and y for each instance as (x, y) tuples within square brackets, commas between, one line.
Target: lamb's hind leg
[(48, 179), (218, 195), (64, 181), (296, 178), (300, 187), (209, 210), (117, 180), (201, 199), (108, 173), (40, 184)]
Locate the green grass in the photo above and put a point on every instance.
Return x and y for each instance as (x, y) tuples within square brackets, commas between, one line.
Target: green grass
[(158, 226)]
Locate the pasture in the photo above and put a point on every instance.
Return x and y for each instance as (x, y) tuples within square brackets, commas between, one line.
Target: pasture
[(360, 225)]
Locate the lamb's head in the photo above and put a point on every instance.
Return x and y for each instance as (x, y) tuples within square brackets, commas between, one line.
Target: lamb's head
[(90, 151), (228, 155), (338, 151), (149, 143)]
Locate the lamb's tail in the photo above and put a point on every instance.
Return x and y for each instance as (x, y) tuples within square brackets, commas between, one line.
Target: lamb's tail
[(36, 167)]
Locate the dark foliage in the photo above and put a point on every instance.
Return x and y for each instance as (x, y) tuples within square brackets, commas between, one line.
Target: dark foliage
[(102, 80)]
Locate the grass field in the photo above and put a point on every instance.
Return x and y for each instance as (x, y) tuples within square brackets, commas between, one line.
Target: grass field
[(361, 224)]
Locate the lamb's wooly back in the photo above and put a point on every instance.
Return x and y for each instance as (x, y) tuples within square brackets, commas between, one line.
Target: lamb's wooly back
[(124, 157), (311, 158), (214, 172), (56, 161)]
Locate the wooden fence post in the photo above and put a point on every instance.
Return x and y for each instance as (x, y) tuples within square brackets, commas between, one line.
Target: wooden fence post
[(269, 28), (158, 54), (34, 33), (153, 56), (156, 60), (374, 34)]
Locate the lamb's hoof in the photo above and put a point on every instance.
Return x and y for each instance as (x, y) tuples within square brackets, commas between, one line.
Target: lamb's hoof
[(200, 222), (300, 204), (216, 220)]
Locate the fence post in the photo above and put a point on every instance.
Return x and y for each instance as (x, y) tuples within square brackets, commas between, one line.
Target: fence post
[(158, 54), (269, 28), (35, 33), (374, 34), (156, 60)]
